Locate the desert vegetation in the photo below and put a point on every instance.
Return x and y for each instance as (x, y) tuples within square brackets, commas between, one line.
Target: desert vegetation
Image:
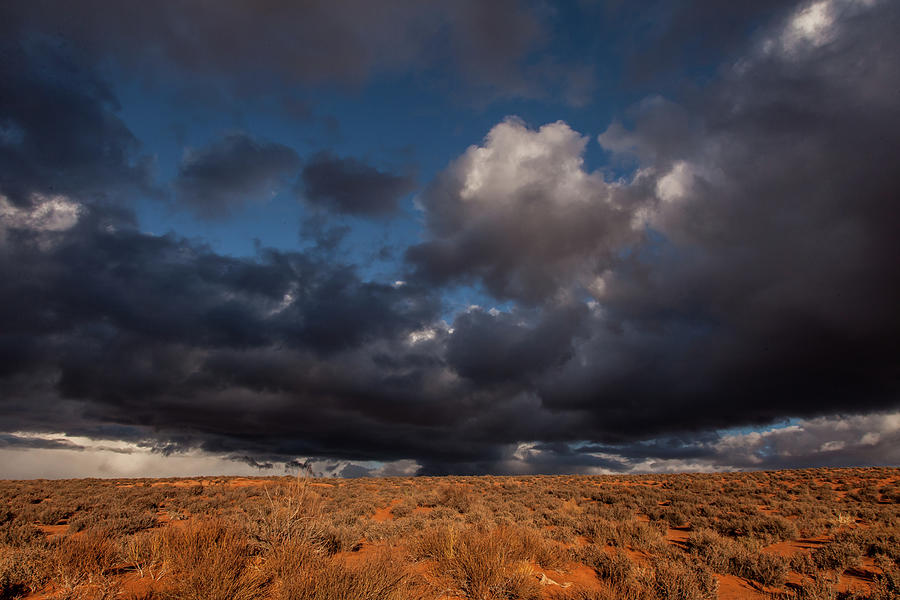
[(823, 534)]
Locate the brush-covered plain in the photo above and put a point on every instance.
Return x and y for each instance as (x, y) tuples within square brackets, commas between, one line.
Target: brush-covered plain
[(806, 534)]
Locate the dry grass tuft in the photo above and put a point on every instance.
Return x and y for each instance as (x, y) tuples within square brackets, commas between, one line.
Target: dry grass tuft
[(209, 560), (291, 517), (728, 556), (482, 564), (82, 561), (382, 577)]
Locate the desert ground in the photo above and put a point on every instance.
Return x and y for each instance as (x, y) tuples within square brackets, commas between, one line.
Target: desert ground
[(810, 534)]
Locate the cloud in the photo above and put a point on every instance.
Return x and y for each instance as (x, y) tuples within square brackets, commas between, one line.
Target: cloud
[(743, 274), (59, 129), (830, 441), (115, 334), (352, 187), (664, 39), (834, 441), (520, 215), (220, 178), (515, 346), (13, 440), (60, 463), (482, 45)]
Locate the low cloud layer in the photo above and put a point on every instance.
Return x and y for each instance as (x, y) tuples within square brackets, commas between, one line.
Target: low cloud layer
[(725, 298)]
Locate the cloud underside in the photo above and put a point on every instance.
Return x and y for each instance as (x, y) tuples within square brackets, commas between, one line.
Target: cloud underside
[(219, 179), (745, 273), (350, 186), (483, 47)]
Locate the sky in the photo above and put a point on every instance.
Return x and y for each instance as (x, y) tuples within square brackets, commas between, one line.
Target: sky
[(450, 237)]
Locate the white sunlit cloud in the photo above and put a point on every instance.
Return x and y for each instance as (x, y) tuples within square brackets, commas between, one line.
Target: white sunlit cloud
[(812, 26), (46, 213)]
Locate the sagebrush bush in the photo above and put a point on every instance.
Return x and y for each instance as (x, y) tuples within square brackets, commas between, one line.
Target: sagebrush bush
[(145, 553), (482, 564), (834, 556), (673, 580), (210, 560), (82, 560), (731, 557), (381, 577), (22, 571), (292, 515), (614, 567)]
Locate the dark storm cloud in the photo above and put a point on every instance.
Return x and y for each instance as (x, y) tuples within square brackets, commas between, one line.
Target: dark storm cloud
[(505, 347), (220, 178), (744, 273), (59, 132), (352, 187), (283, 354), (8, 440), (249, 460), (30, 442), (251, 45), (659, 38)]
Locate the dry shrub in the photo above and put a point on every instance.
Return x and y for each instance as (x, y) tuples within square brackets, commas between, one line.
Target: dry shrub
[(455, 497), (113, 521), (887, 582), (83, 560), (598, 531), (52, 515), (634, 534), (725, 555), (676, 517), (19, 534), (673, 580), (210, 561), (833, 556), (580, 593), (768, 529), (292, 516), (145, 553), (530, 545), (127, 524), (101, 588), (483, 564), (287, 559), (878, 540), (661, 579), (485, 529), (521, 543), (640, 536), (376, 578), (614, 567), (22, 571), (818, 587)]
